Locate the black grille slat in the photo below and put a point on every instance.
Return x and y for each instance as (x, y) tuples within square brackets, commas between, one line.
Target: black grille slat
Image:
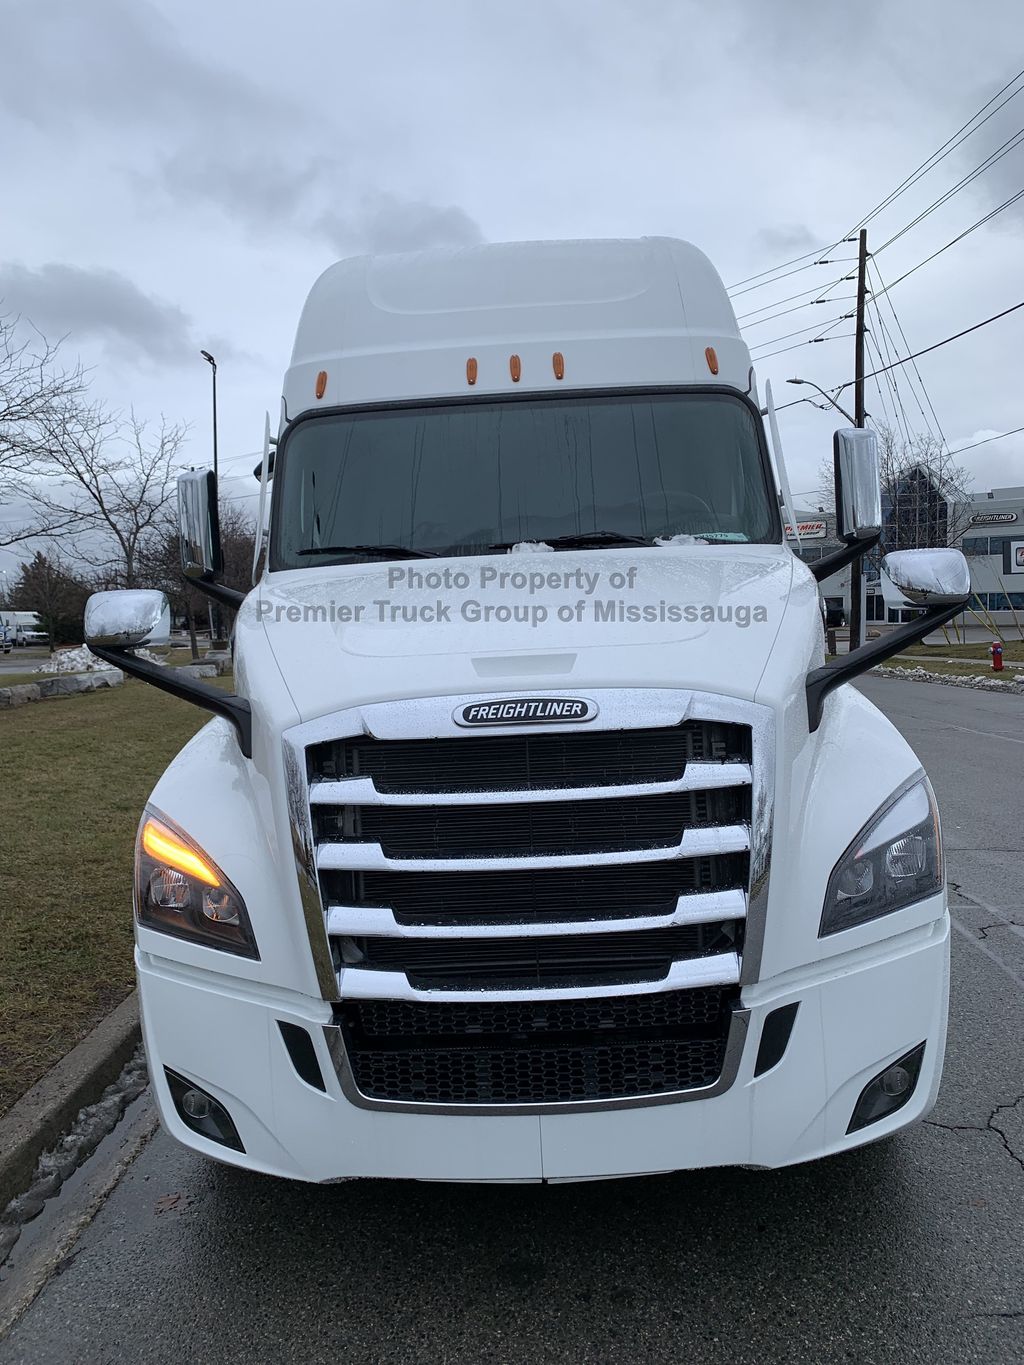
[(702, 1012), (566, 959), (532, 828), (530, 762), (543, 1052), (529, 896)]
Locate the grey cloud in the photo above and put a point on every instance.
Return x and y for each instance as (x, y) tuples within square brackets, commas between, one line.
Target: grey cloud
[(99, 304), (385, 223), (119, 62), (266, 192), (788, 239)]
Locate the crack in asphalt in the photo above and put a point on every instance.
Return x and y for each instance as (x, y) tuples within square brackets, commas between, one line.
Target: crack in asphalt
[(990, 1126)]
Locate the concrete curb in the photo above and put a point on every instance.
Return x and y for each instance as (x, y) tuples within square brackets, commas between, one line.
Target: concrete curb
[(37, 1120)]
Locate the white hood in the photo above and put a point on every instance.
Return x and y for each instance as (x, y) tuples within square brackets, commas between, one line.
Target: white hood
[(693, 616)]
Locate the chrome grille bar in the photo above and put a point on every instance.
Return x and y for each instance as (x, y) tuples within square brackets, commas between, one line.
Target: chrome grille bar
[(360, 791), (720, 969), (696, 843), (354, 921)]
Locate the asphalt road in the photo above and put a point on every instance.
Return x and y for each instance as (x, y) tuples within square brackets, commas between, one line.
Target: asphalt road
[(909, 1251)]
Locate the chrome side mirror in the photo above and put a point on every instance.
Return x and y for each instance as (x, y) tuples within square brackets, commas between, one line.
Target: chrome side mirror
[(198, 524), (858, 489), (128, 617), (929, 578)]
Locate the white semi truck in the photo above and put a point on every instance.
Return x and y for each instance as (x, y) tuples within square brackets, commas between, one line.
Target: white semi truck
[(538, 840)]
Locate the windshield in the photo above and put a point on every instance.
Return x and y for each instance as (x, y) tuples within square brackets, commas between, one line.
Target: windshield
[(461, 479)]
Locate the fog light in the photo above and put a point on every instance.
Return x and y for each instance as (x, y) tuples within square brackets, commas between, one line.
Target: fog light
[(201, 1112), (895, 1080), (889, 1090), (195, 1105)]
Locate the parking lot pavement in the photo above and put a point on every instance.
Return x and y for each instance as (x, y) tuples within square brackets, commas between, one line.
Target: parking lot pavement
[(908, 1251)]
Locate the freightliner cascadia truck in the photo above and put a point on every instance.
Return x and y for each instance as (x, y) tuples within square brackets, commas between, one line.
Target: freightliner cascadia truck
[(538, 840)]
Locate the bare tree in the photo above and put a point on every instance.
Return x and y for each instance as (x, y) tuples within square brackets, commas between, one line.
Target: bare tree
[(33, 388), (107, 476), (925, 498)]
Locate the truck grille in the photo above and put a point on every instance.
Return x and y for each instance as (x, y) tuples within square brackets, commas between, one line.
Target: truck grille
[(531, 870), (544, 1053)]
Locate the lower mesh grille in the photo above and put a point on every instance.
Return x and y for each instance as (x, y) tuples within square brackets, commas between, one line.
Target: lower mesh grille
[(555, 1075), (552, 1052)]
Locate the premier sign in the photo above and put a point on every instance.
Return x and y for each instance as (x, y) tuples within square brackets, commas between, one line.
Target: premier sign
[(807, 530)]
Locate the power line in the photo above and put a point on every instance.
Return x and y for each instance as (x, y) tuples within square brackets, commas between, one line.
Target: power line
[(935, 345), (814, 327), (796, 346), (837, 390), (906, 343), (953, 241), (975, 444), (948, 147), (1002, 150)]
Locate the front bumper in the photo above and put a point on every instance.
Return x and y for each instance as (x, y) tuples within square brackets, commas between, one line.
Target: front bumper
[(857, 1013)]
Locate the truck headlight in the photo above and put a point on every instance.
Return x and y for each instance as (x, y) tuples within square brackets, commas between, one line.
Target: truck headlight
[(894, 861), (180, 891)]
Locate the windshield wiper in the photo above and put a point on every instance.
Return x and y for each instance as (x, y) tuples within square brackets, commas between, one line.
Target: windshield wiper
[(579, 538), (383, 551)]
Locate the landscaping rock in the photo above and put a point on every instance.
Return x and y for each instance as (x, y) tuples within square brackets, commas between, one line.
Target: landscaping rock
[(221, 658), (1014, 685), (70, 685), (203, 670), (19, 695)]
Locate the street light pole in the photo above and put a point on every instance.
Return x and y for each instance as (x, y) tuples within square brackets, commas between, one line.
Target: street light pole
[(827, 397), (213, 366), (214, 611)]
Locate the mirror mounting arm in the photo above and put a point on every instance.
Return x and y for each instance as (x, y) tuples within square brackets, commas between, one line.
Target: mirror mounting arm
[(220, 592), (822, 681), (235, 709), (830, 564)]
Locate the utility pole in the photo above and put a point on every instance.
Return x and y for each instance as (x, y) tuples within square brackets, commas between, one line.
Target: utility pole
[(857, 567)]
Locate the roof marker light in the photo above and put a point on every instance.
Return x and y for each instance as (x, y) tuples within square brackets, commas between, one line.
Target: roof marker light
[(558, 365), (711, 358), (321, 383), (515, 368), (471, 370)]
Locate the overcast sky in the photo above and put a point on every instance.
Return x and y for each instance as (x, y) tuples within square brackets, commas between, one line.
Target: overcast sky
[(177, 174)]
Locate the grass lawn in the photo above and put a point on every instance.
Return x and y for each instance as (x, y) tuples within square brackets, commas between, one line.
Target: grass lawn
[(77, 772), (1013, 651), (967, 668)]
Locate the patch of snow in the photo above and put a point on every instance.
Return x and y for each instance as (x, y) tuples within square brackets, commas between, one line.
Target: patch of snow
[(530, 547), (82, 660), (679, 539)]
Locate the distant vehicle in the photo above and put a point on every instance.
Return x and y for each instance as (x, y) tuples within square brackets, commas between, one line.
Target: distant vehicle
[(23, 628)]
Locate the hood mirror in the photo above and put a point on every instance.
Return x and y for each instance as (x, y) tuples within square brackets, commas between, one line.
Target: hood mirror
[(198, 524), (126, 618), (858, 490), (929, 578)]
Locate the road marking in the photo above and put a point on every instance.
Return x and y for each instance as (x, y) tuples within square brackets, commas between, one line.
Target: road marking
[(991, 734)]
